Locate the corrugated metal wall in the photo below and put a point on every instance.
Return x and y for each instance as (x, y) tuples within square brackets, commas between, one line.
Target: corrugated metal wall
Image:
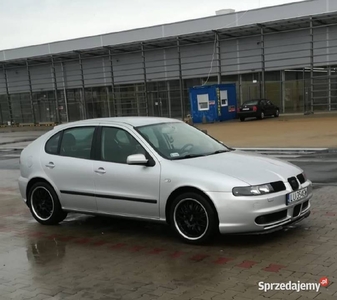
[(93, 89)]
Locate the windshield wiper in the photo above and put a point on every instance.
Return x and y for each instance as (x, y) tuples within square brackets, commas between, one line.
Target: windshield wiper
[(188, 156), (218, 151)]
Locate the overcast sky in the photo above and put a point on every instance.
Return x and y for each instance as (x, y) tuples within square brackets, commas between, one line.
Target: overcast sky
[(30, 22)]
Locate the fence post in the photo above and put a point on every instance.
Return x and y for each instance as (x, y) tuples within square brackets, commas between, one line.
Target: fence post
[(84, 104), (9, 102), (58, 120), (181, 82), (31, 92), (145, 79)]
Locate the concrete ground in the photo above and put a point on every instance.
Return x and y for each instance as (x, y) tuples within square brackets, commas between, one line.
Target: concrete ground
[(286, 131)]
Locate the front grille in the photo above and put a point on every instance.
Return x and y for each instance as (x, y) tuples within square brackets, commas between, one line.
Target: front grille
[(278, 186), (301, 178), (297, 210), (293, 183), (305, 205), (271, 218)]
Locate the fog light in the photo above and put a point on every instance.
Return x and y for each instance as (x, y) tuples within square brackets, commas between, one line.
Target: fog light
[(261, 220)]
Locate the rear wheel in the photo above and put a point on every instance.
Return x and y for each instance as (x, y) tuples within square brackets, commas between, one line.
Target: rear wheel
[(242, 119), (45, 205), (277, 113), (193, 218), (261, 115)]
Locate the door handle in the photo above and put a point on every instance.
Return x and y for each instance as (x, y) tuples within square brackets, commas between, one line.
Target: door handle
[(50, 165), (100, 171)]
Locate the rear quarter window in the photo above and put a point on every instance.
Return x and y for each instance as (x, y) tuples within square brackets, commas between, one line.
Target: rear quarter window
[(53, 143)]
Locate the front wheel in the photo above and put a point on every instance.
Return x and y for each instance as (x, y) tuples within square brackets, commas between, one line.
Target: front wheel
[(45, 205), (242, 119), (277, 113), (193, 218)]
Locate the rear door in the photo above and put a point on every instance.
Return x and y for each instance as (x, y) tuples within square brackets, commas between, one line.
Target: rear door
[(67, 163)]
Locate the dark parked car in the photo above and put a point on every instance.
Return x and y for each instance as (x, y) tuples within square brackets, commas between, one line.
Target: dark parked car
[(259, 108)]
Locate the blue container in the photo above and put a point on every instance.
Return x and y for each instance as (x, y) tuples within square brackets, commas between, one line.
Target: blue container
[(213, 103)]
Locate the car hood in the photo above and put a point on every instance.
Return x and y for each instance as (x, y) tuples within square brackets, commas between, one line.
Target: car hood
[(251, 168)]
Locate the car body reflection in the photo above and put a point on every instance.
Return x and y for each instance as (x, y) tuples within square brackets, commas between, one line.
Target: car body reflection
[(45, 251)]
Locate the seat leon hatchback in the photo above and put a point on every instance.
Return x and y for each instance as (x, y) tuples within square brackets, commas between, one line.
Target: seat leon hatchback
[(162, 170)]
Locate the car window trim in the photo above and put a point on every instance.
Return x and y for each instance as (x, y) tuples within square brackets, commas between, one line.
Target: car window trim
[(96, 144), (59, 143)]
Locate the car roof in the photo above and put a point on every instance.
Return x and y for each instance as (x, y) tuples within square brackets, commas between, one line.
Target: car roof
[(132, 121)]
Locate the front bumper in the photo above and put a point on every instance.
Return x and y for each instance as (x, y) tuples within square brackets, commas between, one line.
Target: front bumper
[(280, 227), (259, 214)]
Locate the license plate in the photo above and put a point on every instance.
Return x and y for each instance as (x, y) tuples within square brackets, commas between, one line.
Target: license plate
[(245, 108), (296, 196)]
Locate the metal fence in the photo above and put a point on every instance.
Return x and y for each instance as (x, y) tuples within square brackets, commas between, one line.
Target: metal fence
[(294, 64)]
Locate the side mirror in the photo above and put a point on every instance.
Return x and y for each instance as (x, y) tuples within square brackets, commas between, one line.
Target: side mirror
[(137, 159)]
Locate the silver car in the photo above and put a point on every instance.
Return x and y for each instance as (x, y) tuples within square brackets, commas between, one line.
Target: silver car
[(162, 170)]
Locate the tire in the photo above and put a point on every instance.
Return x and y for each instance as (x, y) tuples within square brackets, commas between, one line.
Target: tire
[(242, 119), (44, 204), (261, 117), (181, 219), (277, 113)]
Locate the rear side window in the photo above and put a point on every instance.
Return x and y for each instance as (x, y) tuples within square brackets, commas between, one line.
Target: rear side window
[(53, 143), (77, 142)]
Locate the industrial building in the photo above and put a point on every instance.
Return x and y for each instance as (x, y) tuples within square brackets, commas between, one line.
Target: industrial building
[(286, 53)]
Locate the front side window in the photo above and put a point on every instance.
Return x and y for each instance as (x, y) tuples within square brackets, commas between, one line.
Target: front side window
[(178, 140), (77, 142), (150, 136), (117, 144)]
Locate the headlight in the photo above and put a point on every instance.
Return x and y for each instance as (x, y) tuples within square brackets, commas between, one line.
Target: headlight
[(253, 190)]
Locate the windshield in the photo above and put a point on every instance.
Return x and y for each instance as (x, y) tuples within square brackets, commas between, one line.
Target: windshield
[(251, 102), (179, 140)]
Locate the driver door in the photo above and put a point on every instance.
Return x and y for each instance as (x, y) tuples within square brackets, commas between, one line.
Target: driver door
[(122, 189)]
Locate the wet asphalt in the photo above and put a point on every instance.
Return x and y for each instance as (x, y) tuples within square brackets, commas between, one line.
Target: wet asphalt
[(91, 257)]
